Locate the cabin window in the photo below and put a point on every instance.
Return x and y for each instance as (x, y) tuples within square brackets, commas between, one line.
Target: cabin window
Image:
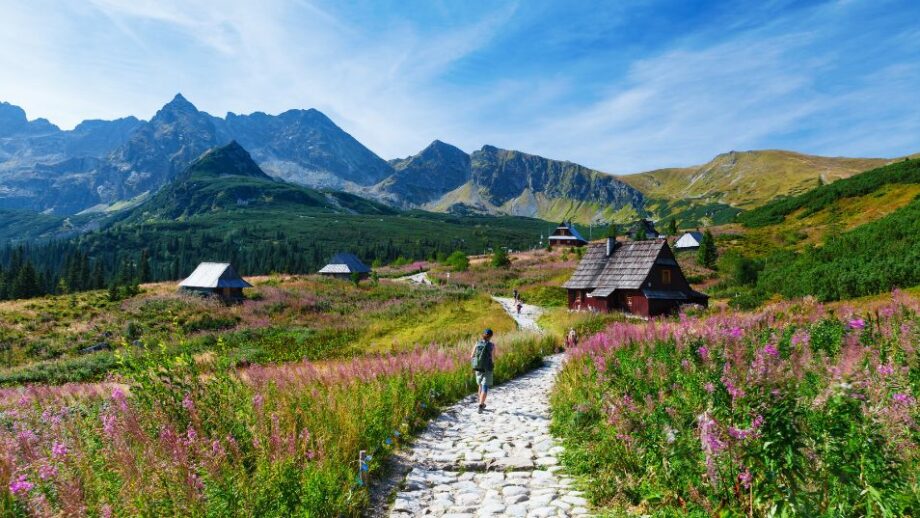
[(666, 276)]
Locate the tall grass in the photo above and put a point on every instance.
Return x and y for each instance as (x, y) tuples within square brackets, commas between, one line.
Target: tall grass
[(276, 440), (793, 410)]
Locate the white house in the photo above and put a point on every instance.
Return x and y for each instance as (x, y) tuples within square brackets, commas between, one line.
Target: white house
[(689, 241)]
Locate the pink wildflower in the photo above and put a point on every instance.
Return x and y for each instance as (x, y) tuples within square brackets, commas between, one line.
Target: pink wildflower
[(21, 485), (703, 351), (745, 478), (58, 450), (857, 323), (902, 399), (771, 350), (47, 471), (709, 387)]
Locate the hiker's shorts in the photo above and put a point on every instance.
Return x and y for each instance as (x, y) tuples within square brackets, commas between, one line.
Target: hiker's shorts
[(484, 379)]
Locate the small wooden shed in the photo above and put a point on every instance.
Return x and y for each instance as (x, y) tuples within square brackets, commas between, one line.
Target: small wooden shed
[(639, 277), (343, 265), (219, 279), (566, 235)]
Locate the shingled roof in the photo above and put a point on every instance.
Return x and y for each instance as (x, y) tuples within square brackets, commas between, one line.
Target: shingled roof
[(626, 268), (345, 263)]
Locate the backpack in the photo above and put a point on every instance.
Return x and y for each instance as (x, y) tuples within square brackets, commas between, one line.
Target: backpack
[(482, 356)]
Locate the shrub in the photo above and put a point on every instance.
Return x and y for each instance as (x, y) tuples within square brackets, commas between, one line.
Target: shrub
[(458, 261), (500, 259)]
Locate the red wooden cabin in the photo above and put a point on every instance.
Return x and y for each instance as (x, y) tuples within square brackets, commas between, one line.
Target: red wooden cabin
[(639, 277)]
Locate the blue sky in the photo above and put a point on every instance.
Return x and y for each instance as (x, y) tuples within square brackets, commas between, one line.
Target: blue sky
[(619, 86)]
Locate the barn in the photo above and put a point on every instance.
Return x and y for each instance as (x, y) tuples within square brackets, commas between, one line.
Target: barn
[(689, 241), (566, 235), (638, 277), (218, 279), (343, 265)]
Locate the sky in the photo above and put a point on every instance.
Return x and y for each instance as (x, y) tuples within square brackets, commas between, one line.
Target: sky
[(621, 86)]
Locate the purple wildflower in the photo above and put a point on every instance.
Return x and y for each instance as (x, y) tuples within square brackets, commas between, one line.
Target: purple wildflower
[(58, 450), (47, 471), (703, 351), (902, 399), (745, 478), (857, 323), (21, 485)]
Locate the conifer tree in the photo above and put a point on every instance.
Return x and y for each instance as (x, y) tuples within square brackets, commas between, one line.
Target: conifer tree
[(707, 253)]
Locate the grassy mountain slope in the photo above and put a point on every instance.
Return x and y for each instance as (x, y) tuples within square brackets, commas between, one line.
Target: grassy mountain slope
[(749, 178)]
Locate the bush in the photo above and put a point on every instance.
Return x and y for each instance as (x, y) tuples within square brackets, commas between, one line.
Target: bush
[(458, 261), (500, 259)]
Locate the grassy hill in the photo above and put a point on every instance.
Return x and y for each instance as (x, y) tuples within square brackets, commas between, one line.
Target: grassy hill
[(749, 178), (852, 238)]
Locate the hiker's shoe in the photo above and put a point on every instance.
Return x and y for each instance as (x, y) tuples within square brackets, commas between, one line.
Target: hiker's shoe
[(481, 408)]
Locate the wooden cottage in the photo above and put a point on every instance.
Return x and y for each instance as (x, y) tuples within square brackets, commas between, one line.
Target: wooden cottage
[(639, 277), (218, 279), (689, 241), (644, 224), (343, 265), (566, 235)]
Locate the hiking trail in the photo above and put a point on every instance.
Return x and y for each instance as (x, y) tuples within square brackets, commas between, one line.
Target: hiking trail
[(503, 462)]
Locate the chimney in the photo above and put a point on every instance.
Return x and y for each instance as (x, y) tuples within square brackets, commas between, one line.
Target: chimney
[(611, 245)]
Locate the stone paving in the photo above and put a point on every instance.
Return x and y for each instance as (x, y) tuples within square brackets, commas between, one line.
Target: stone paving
[(503, 462)]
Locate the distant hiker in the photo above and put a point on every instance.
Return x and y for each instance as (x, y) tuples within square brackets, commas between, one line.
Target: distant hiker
[(520, 306), (516, 295), (482, 359), (572, 339)]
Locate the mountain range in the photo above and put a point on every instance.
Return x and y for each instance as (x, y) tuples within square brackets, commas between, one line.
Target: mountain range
[(114, 165)]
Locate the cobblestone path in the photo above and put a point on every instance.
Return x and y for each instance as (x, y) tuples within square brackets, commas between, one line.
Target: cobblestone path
[(503, 462)]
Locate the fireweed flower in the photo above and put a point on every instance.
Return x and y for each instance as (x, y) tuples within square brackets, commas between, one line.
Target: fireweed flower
[(902, 399), (703, 351), (709, 387), (886, 370), (745, 478), (47, 471), (771, 350), (21, 485), (58, 450), (857, 323)]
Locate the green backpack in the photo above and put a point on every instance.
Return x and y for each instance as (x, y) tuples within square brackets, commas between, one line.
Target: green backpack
[(482, 356)]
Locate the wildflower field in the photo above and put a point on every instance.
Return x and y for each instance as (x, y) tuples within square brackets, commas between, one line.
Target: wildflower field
[(75, 338), (174, 438), (798, 409)]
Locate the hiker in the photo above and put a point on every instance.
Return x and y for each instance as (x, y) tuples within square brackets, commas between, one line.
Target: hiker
[(572, 339), (516, 295), (482, 359), (520, 306)]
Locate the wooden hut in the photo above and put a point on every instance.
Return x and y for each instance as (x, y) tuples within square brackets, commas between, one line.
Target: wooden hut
[(689, 241), (343, 265), (218, 279), (635, 229), (566, 235), (639, 277)]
